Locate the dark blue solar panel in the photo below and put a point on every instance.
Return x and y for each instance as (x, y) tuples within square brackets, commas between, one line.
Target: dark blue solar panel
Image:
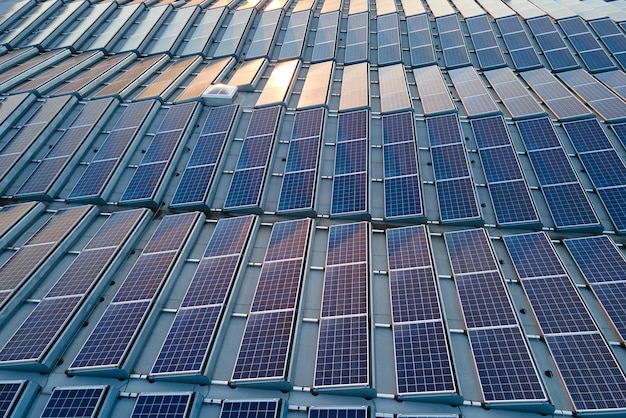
[(452, 41), (533, 255), (398, 128), (505, 368), (538, 134), (414, 295), (469, 252), (39, 329), (146, 277), (297, 191), (94, 179), (288, 240), (512, 202), (178, 117), (347, 244), (255, 152), (353, 125), (605, 168), (263, 121), (587, 135), (593, 378), (329, 412), (554, 49), (569, 205), (613, 200), (485, 43), (302, 155), (456, 199), (484, 300), (400, 159), (518, 44), (163, 405), (9, 394), (443, 130), (345, 290), (557, 305), (219, 119), (245, 189), (620, 131), (110, 339), (308, 124), (278, 286), (598, 259), (211, 281), (188, 340), (193, 185), (422, 358), (402, 197), (612, 296), (449, 162), (171, 233), (490, 132), (207, 149), (250, 409), (407, 248), (586, 45), (144, 183), (500, 164), (349, 194), (229, 236), (612, 37), (75, 402), (264, 349), (552, 167), (343, 352), (351, 157)]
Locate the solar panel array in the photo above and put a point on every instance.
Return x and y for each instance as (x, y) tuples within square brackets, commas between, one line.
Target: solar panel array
[(475, 97), (249, 177), (268, 333), (452, 41), (420, 40), (107, 347), (603, 165), (357, 38), (350, 182), (194, 187), (603, 101), (402, 180), (299, 181), (612, 38), (508, 190), (505, 367), (587, 365), (95, 183), (551, 43), (343, 352), (455, 187), (485, 43), (423, 364), (389, 51), (145, 188), (31, 345), (586, 44), (569, 206)]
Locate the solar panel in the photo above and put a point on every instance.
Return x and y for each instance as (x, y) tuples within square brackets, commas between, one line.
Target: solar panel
[(294, 36), (521, 50), (193, 189), (330, 412), (452, 42), (420, 40), (246, 186), (111, 339), (433, 91), (263, 39), (357, 38), (186, 347), (606, 104), (250, 409), (513, 94), (174, 405), (474, 96), (591, 374), (504, 365), (554, 49), (325, 37), (485, 43), (389, 51), (586, 44), (75, 402), (10, 392), (612, 38)]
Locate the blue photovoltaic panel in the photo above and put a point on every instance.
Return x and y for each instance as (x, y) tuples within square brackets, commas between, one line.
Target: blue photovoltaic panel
[(301, 168), (112, 336), (146, 277), (557, 305), (402, 185), (612, 296), (247, 183), (485, 43), (229, 236), (9, 394), (505, 368), (288, 240), (554, 49), (347, 244), (613, 201), (605, 168), (389, 51), (533, 255), (177, 117), (345, 290), (569, 206), (188, 340), (357, 38), (587, 135), (591, 374), (500, 164), (211, 281), (552, 167), (420, 40), (456, 199), (490, 132), (586, 44), (452, 41), (264, 349), (413, 295), (512, 203), (278, 286), (422, 358), (199, 173), (407, 248), (174, 405), (522, 52), (250, 409), (343, 352), (538, 134), (443, 130), (350, 181), (449, 162), (329, 412), (598, 258), (484, 300), (75, 402), (469, 252), (612, 37)]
